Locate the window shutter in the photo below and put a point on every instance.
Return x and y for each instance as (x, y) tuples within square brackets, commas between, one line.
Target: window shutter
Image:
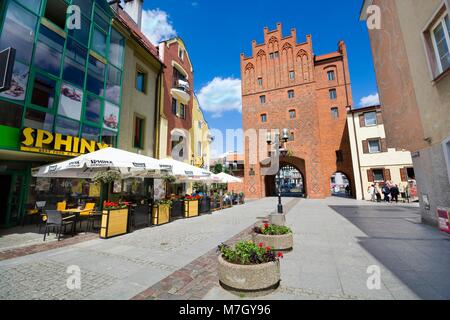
[(370, 177), (362, 122), (403, 174), (383, 145), (379, 118), (365, 144), (387, 174)]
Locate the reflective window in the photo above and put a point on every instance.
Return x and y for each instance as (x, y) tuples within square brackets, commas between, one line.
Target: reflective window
[(49, 51), (96, 76), (74, 63), (113, 84), (18, 83), (99, 41), (93, 108), (140, 81), (55, 11), (335, 113), (18, 32), (81, 34), (370, 118), (333, 94), (109, 137), (90, 133), (292, 114), (10, 114), (33, 5), (330, 75), (67, 126), (116, 48), (374, 146), (70, 101), (85, 6), (43, 91), (38, 120), (101, 19), (111, 116)]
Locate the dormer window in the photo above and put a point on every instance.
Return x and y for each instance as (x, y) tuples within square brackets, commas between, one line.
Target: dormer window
[(181, 54)]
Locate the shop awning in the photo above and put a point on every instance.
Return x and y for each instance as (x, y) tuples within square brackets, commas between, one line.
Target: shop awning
[(226, 178), (185, 171), (85, 166)]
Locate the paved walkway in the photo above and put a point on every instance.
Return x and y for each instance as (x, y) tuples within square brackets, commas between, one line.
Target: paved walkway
[(335, 241)]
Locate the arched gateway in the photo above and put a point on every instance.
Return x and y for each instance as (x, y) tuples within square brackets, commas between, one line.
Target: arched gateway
[(291, 179)]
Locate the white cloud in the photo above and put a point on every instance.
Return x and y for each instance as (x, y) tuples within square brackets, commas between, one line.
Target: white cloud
[(157, 26), (370, 100), (221, 95)]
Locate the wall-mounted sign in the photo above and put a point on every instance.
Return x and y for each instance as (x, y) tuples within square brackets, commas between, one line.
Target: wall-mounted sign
[(42, 141)]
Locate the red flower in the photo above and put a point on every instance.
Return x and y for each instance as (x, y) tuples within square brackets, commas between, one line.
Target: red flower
[(267, 248), (280, 255), (260, 245), (266, 225)]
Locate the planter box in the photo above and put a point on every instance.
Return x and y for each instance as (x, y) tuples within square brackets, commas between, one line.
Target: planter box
[(160, 214), (205, 205), (114, 223), (282, 242), (177, 210), (190, 208), (261, 278)]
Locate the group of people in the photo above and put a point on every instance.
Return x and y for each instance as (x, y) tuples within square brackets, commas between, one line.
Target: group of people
[(389, 190)]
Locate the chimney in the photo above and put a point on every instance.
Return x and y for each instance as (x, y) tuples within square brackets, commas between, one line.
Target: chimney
[(134, 9)]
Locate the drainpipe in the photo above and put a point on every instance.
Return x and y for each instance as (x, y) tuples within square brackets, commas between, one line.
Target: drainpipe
[(158, 111)]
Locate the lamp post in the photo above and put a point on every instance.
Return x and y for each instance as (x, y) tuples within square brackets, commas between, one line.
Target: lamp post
[(279, 151)]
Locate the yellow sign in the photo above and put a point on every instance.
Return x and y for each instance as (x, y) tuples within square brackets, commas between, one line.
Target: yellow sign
[(42, 141)]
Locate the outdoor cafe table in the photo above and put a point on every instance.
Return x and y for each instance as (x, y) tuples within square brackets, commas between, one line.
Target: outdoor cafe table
[(74, 211)]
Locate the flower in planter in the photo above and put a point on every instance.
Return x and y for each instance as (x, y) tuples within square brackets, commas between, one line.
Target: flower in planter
[(280, 255), (247, 252), (267, 249), (260, 244), (272, 229)]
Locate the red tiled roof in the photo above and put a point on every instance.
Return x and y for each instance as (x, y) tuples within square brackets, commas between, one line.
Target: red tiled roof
[(328, 56), (137, 34)]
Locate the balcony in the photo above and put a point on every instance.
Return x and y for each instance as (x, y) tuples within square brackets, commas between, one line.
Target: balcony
[(181, 91)]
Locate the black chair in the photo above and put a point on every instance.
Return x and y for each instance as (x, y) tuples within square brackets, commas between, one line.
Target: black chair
[(56, 222), (94, 216)]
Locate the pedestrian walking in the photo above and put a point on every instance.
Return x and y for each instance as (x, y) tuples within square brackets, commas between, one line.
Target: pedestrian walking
[(386, 191), (378, 192), (372, 193), (395, 192)]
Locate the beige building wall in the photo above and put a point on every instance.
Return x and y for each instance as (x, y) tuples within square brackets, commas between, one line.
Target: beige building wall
[(392, 159), (136, 103)]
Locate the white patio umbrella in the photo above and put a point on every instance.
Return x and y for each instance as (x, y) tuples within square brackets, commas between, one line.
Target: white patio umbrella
[(226, 178), (86, 165), (184, 171)]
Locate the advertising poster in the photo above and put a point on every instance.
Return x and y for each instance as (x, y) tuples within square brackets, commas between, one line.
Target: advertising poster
[(18, 82), (111, 117), (70, 102), (159, 189)]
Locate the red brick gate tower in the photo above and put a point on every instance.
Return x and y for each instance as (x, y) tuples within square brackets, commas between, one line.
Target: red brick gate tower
[(284, 85)]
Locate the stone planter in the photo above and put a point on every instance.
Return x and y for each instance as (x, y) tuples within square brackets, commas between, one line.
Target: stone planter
[(283, 242), (256, 278)]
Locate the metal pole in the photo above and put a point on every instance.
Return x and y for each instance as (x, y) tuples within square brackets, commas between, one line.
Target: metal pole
[(280, 206)]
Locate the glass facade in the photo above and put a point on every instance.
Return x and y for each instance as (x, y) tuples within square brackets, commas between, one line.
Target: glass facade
[(64, 80)]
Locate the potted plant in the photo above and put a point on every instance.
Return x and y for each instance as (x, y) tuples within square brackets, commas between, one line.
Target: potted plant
[(161, 211), (114, 219), (249, 267), (191, 206), (279, 238)]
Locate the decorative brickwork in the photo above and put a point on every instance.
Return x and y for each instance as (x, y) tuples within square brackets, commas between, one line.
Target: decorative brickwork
[(280, 65)]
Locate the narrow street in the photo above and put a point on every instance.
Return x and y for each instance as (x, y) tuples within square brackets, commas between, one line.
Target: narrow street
[(336, 240)]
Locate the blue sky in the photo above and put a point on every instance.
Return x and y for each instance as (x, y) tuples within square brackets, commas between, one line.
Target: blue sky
[(216, 32)]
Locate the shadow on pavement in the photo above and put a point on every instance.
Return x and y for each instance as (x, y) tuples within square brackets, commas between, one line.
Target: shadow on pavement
[(417, 254)]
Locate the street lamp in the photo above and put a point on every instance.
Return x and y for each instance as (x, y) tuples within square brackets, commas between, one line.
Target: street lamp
[(280, 151)]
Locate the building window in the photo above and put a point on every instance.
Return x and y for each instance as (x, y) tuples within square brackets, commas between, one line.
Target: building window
[(274, 55), (174, 106), (138, 140), (262, 99), (264, 118), (446, 147), (291, 136), (440, 35), (38, 120), (96, 76), (99, 41), (49, 51), (333, 94), (199, 124), (334, 113), (90, 133), (260, 82), (181, 54), (10, 114), (374, 146), (199, 148), (182, 111), (370, 118), (291, 75), (378, 175), (290, 94), (331, 76), (339, 156), (55, 11), (140, 81), (292, 114), (44, 90)]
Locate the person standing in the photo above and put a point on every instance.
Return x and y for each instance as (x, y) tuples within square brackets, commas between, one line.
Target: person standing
[(371, 191), (378, 192), (395, 192), (386, 191)]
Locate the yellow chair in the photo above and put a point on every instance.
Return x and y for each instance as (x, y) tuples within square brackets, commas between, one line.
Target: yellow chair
[(61, 206), (87, 209)]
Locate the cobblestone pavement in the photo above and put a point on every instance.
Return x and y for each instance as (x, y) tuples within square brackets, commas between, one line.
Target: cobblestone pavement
[(335, 240), (129, 264)]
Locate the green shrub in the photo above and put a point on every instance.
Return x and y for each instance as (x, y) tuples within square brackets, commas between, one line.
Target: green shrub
[(272, 229), (247, 252)]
